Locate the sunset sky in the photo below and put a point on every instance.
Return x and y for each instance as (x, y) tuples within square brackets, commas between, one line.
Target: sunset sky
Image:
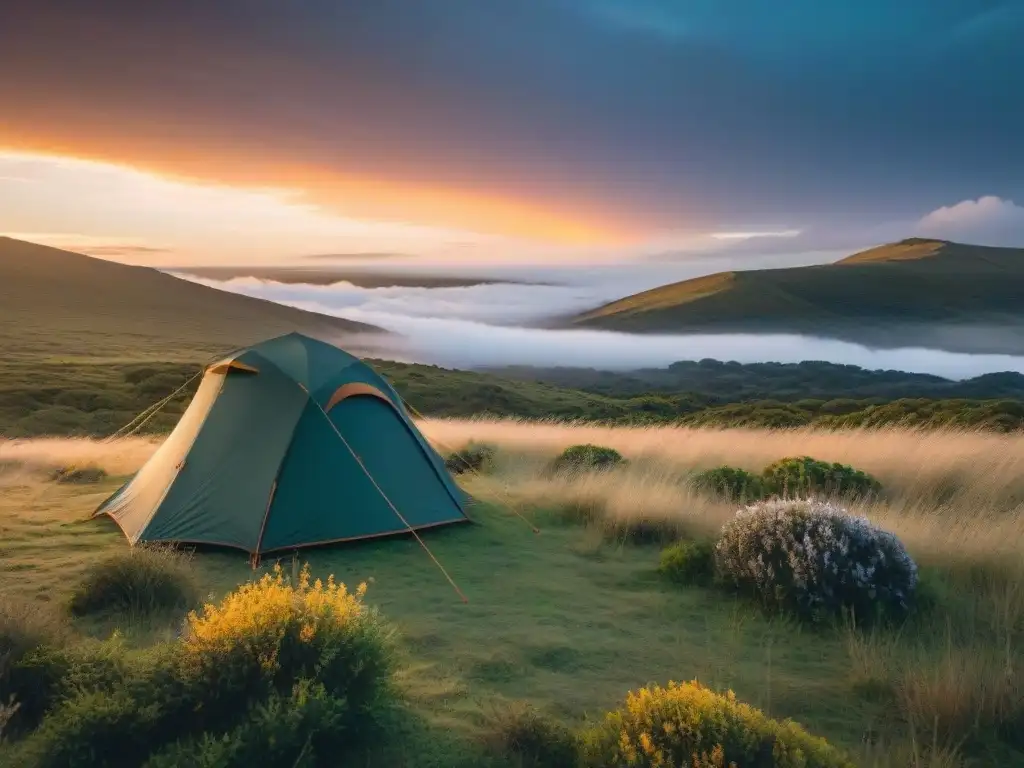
[(261, 130)]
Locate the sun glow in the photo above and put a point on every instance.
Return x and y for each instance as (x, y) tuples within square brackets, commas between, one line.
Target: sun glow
[(257, 211)]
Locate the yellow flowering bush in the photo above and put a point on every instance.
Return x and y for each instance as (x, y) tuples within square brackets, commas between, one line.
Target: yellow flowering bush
[(686, 725), (268, 634), (277, 673)]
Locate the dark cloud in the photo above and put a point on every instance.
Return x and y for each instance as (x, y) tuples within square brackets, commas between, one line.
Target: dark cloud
[(658, 114)]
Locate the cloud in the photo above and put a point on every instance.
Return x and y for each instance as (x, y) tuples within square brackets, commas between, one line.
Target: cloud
[(535, 116), (353, 256), (495, 325), (101, 246), (119, 250), (493, 304), (741, 235), (989, 220)]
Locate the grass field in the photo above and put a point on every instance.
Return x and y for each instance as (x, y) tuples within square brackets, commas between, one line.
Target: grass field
[(571, 618)]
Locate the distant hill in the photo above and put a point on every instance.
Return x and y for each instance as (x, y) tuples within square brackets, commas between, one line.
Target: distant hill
[(60, 306), (731, 382), (916, 292)]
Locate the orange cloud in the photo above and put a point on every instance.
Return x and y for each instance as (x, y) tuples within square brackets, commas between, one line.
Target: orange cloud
[(356, 195)]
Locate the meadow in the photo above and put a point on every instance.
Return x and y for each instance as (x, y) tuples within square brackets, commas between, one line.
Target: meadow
[(569, 618)]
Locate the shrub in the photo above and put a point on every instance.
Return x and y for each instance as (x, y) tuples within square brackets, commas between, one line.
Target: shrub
[(29, 642), (688, 562), (272, 663), (79, 475), (732, 483), (804, 476), (815, 559), (141, 581), (96, 727), (532, 739), (686, 724), (582, 458), (475, 457), (269, 634), (299, 729)]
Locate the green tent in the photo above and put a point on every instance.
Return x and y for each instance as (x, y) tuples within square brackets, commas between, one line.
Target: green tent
[(289, 443)]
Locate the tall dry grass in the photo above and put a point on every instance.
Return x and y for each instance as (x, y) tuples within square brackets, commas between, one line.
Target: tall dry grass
[(952, 496), (115, 457), (915, 463)]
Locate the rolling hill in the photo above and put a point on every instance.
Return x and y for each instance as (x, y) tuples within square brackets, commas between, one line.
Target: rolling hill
[(916, 292), (61, 306)]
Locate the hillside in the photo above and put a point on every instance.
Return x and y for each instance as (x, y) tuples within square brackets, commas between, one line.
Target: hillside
[(736, 382), (915, 292), (59, 305)]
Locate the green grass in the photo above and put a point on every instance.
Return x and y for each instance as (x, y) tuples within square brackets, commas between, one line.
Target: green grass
[(892, 296), (566, 620), (558, 619)]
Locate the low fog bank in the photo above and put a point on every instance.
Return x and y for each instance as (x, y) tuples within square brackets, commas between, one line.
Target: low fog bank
[(461, 344), (494, 325)]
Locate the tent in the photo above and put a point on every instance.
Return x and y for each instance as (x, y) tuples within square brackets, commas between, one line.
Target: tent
[(286, 444)]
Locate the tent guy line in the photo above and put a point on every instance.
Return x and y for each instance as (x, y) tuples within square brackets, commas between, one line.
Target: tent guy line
[(394, 509)]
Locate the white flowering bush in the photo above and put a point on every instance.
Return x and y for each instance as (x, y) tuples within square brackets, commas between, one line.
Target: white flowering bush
[(816, 559)]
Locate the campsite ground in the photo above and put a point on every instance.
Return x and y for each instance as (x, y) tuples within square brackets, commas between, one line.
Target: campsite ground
[(573, 617)]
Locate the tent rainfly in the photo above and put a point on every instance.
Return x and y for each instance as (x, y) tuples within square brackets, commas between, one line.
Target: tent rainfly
[(287, 444)]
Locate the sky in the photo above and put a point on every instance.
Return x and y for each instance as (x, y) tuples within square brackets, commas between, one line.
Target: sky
[(542, 131)]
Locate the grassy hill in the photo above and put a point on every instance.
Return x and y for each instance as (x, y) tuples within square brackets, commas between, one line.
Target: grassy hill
[(914, 292), (733, 381), (58, 305)]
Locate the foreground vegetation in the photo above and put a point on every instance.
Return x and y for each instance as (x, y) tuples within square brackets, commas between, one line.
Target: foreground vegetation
[(561, 626)]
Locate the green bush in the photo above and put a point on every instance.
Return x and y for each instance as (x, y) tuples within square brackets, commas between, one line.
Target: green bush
[(686, 724), (732, 483), (312, 658), (94, 728), (475, 457), (583, 458), (797, 477), (532, 740), (688, 562), (815, 559), (140, 581), (30, 641), (297, 730), (268, 634)]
